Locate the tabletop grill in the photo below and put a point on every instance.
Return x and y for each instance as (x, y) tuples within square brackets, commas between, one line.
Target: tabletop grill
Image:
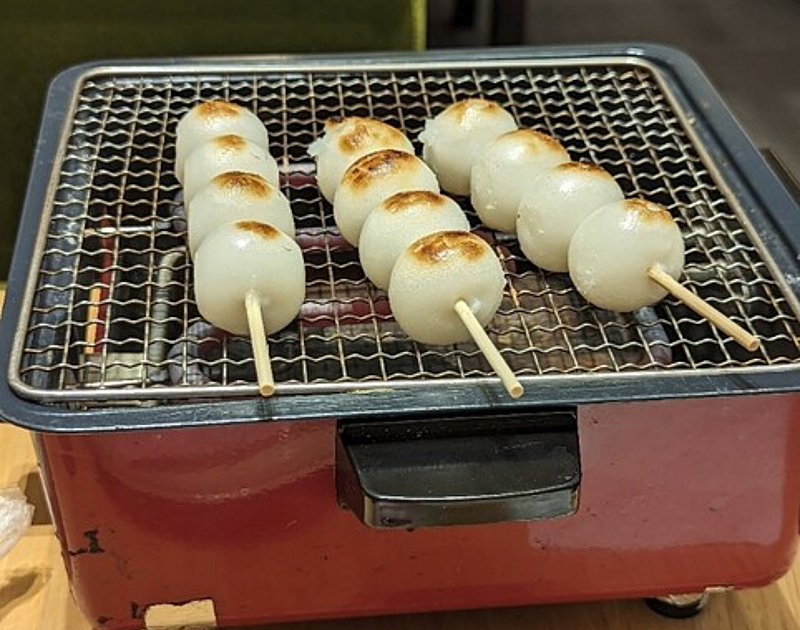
[(110, 312), (649, 455)]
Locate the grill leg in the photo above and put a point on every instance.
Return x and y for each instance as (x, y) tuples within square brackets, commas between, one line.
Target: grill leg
[(678, 606)]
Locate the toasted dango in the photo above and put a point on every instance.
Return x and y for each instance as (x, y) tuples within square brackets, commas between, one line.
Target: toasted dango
[(556, 202), (612, 250), (370, 180), (436, 272), (455, 139), (505, 169), (245, 257), (215, 118), (399, 221), (347, 139), (236, 196), (226, 153)]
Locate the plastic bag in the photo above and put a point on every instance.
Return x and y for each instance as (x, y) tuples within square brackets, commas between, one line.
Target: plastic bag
[(15, 518)]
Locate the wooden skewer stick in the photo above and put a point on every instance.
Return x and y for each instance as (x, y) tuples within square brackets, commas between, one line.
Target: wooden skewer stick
[(701, 307), (492, 354), (258, 339)]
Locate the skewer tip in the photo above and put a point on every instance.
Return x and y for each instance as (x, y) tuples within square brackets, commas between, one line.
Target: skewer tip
[(516, 390), (752, 344), (266, 389)]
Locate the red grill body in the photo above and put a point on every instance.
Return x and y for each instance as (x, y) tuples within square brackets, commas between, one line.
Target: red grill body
[(248, 516)]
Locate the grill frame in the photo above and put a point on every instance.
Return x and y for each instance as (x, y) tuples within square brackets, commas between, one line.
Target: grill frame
[(716, 134)]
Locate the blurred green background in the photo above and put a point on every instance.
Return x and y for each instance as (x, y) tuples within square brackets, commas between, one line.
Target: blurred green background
[(42, 37)]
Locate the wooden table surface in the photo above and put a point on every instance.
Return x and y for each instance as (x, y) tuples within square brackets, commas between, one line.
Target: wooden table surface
[(34, 594)]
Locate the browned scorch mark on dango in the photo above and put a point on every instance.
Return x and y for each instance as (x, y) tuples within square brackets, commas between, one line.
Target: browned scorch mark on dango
[(441, 246), (217, 109), (334, 121), (248, 184), (378, 164), (583, 167), (399, 202), (648, 210), (262, 230), (366, 129), (461, 109), (534, 140), (230, 142)]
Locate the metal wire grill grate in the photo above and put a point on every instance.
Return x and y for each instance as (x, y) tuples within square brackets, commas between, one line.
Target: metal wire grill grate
[(113, 313)]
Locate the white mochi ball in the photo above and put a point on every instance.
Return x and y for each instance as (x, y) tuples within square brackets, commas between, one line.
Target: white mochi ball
[(455, 139), (556, 202), (227, 153), (370, 180), (505, 169), (347, 139), (215, 118), (236, 196), (434, 273), (614, 247), (399, 221), (237, 258)]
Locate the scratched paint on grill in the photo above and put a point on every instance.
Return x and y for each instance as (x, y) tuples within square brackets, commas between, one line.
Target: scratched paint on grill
[(115, 265)]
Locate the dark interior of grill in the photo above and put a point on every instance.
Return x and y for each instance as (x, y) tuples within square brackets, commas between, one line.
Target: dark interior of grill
[(113, 307)]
